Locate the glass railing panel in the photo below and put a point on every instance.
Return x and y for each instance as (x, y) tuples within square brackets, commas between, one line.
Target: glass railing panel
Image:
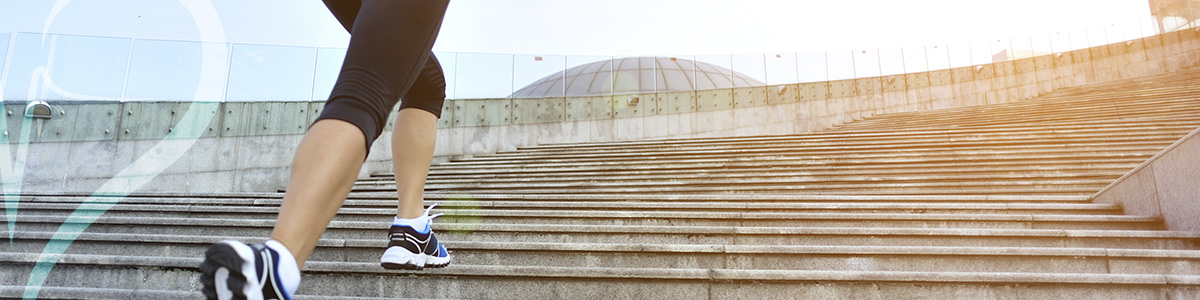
[(29, 54), (981, 52), (328, 67), (812, 66), (866, 63), (449, 61), (1022, 47), (749, 70), (1148, 27), (4, 41), (1123, 30), (538, 76), (1060, 41), (67, 67), (1077, 38), (87, 68), (588, 76), (1096, 35), (177, 71), (714, 72), (627, 73), (782, 68), (646, 68), (937, 57), (840, 64), (891, 61), (678, 73), (959, 54), (483, 76), (1000, 49), (915, 59), (271, 73), (749, 78), (1041, 44)]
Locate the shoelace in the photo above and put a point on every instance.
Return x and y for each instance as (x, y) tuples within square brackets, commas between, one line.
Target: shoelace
[(427, 210)]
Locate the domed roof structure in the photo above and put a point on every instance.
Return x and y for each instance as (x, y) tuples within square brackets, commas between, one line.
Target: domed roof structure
[(635, 75)]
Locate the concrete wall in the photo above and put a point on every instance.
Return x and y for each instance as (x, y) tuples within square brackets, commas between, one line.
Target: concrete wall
[(1164, 186), (247, 147)]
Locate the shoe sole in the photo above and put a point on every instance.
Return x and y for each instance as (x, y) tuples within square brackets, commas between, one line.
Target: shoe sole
[(401, 259), (225, 269)]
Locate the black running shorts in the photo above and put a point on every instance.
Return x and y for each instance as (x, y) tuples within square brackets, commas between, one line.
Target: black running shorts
[(390, 59)]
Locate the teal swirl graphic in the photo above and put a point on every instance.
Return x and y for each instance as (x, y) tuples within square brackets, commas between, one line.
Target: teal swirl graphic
[(165, 153)]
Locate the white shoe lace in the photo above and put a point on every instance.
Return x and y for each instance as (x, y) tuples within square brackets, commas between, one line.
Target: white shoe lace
[(427, 210)]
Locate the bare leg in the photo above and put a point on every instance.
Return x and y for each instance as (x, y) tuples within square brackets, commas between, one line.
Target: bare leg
[(413, 140), (323, 172)]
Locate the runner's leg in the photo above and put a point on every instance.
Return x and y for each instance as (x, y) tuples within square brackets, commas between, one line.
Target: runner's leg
[(389, 46), (414, 136)]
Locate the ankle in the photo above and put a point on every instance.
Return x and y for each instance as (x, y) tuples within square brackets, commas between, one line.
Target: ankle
[(419, 223)]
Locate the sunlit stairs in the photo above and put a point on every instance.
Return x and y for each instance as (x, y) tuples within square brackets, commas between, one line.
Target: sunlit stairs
[(977, 202)]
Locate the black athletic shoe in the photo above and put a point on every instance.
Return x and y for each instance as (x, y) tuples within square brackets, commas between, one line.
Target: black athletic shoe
[(234, 270), (412, 249)]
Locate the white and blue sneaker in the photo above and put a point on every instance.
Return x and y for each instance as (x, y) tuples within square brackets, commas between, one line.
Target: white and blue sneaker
[(234, 270), (412, 248)]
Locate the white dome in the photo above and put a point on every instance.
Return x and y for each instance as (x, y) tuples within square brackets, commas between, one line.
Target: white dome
[(635, 75)]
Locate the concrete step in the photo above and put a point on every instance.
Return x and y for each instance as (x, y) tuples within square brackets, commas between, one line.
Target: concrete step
[(762, 178), (848, 154), (833, 174), (864, 235), (970, 119), (953, 121), (925, 124), (920, 124), (1135, 122), (54, 292), (1157, 118), (1026, 188), (807, 181), (772, 257), (1130, 97), (1095, 107), (355, 198), (534, 282), (1031, 157), (454, 208), (659, 218), (812, 150), (759, 197), (781, 162), (1171, 104), (251, 207), (860, 142), (941, 138), (636, 175), (736, 167)]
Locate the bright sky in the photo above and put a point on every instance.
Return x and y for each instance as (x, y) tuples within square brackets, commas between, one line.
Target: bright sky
[(609, 27)]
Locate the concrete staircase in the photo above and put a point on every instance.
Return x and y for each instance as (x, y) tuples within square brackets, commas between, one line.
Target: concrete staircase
[(978, 202)]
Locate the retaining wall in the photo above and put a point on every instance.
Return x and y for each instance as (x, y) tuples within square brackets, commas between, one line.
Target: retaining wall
[(1167, 186)]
